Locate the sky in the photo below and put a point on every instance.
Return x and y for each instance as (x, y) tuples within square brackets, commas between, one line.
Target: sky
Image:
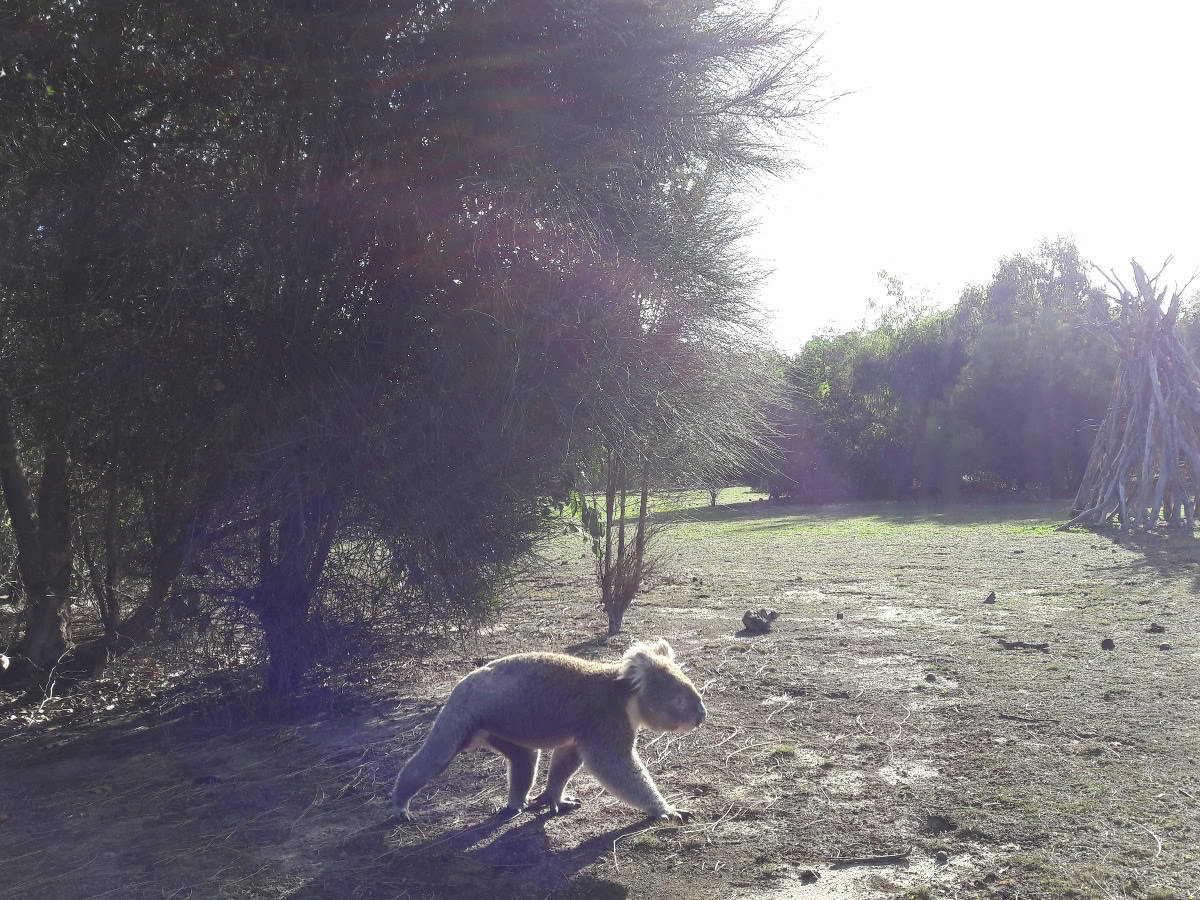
[(972, 131)]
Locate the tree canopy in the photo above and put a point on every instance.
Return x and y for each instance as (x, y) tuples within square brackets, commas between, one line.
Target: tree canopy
[(1001, 393), (309, 307)]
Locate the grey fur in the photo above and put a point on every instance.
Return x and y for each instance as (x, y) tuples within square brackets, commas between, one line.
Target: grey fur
[(588, 713)]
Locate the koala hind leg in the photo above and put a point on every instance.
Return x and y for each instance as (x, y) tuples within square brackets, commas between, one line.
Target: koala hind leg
[(445, 741), (522, 770), (563, 764)]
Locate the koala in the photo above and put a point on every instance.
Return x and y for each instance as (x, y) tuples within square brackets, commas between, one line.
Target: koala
[(587, 713)]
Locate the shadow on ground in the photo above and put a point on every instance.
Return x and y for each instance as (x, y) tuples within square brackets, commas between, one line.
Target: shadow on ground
[(199, 799), (481, 861)]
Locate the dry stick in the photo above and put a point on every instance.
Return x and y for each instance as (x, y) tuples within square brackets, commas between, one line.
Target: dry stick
[(744, 749), (733, 734), (1022, 645), (724, 816), (620, 837), (1107, 894), (895, 737), (899, 856), (1157, 839), (1166, 471), (1147, 444), (781, 709)]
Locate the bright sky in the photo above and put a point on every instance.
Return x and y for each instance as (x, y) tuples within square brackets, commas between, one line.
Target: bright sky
[(976, 130)]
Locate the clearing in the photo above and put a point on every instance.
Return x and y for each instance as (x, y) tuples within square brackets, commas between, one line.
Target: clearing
[(948, 746)]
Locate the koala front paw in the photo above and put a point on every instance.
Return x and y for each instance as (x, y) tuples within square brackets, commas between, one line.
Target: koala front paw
[(556, 807), (676, 816)]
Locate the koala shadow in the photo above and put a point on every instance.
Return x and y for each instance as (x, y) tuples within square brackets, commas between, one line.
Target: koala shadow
[(747, 633), (593, 646), (518, 863)]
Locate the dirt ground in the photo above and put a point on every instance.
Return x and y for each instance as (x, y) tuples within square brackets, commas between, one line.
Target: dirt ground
[(893, 735)]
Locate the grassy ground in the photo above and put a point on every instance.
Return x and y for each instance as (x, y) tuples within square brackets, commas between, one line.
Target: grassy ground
[(953, 747)]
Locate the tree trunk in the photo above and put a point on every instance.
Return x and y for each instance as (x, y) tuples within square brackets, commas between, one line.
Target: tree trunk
[(294, 541), (616, 618), (621, 576), (43, 550), (289, 636), (88, 660), (103, 570)]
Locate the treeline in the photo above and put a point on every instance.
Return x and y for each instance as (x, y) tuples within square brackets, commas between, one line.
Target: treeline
[(309, 312), (999, 395)]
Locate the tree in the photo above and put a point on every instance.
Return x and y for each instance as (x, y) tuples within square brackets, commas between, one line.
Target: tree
[(996, 394), (1032, 381), (387, 260)]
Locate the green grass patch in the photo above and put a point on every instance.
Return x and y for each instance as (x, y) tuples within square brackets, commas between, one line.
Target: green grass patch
[(771, 521)]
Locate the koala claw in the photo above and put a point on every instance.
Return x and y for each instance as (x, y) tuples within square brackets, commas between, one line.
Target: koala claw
[(556, 807), (677, 816)]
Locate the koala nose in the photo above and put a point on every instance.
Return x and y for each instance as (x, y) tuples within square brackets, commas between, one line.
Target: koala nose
[(700, 712)]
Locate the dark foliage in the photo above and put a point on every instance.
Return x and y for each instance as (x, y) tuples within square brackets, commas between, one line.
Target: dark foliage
[(307, 307), (999, 395)]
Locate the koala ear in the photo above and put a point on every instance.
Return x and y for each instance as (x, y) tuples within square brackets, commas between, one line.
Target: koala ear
[(637, 659), (662, 648)]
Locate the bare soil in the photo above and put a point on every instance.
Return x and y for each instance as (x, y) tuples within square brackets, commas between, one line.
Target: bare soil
[(892, 735)]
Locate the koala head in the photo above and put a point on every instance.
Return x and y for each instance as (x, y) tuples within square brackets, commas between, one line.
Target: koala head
[(666, 699)]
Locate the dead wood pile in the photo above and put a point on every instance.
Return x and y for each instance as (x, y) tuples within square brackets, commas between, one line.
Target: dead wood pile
[(1146, 458)]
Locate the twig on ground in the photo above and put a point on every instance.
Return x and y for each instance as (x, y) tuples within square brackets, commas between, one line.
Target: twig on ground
[(732, 735), (1013, 718), (874, 860), (781, 709), (724, 816), (895, 737), (744, 749), (664, 752), (1023, 645), (1157, 839), (1108, 895), (50, 682), (616, 862)]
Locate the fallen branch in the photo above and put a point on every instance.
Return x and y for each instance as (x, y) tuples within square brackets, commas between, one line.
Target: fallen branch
[(1022, 645), (876, 860)]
